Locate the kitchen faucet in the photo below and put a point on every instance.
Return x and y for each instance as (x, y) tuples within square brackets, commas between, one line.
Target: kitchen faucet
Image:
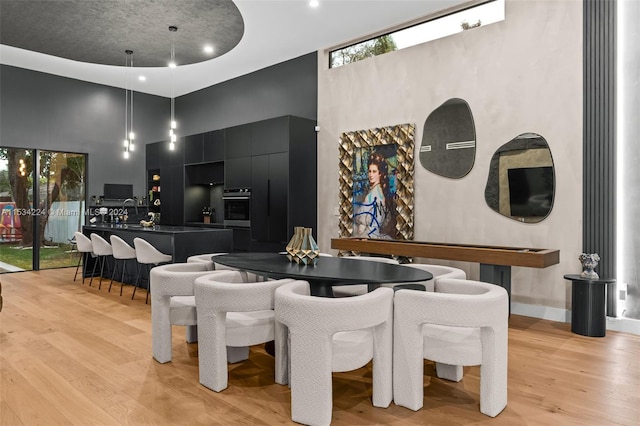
[(134, 204)]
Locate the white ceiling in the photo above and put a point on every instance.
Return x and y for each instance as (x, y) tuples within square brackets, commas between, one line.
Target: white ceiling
[(275, 31)]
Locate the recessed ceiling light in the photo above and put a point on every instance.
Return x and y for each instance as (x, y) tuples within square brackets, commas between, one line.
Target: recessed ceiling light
[(208, 49), (142, 78), (172, 64), (314, 3)]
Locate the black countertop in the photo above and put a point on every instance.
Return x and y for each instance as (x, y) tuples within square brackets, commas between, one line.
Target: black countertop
[(160, 229), (218, 225)]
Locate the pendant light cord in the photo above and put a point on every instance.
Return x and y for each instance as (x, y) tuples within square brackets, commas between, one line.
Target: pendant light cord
[(131, 106)]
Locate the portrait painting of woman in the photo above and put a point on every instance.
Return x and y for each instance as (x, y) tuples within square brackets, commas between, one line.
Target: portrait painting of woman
[(374, 202)]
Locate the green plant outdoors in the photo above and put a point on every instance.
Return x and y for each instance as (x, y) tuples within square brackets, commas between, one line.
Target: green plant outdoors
[(50, 257)]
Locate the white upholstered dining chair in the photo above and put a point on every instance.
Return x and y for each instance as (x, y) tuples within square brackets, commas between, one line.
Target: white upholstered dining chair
[(205, 259), (213, 266), (233, 314), (461, 323), (316, 336), (173, 303), (438, 272)]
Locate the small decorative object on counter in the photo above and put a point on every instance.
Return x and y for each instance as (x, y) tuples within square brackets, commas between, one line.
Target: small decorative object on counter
[(309, 253), (589, 263), (156, 202), (294, 243), (154, 219), (206, 214)]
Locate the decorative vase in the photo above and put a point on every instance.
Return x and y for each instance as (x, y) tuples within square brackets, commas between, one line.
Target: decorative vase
[(589, 262), (294, 243), (308, 253)]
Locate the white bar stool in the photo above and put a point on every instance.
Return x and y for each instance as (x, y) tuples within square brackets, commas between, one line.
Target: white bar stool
[(121, 251), (102, 249), (147, 255), (84, 246)]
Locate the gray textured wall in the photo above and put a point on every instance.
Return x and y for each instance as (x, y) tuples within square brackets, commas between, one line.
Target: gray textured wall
[(288, 88), (44, 111), (523, 74)]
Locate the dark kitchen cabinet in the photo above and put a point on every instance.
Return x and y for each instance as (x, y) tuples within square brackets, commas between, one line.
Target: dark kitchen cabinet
[(213, 144), (237, 141), (276, 158), (237, 172), (171, 208), (193, 149), (269, 136), (204, 147), (172, 157), (152, 156), (204, 174), (283, 180), (269, 197), (241, 239)]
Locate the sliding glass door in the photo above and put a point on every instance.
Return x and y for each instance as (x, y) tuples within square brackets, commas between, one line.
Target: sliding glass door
[(16, 198), (42, 197)]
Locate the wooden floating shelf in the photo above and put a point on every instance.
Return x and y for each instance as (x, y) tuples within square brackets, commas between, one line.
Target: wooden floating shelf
[(491, 255)]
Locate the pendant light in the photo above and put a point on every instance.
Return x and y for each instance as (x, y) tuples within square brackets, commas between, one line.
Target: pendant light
[(129, 135), (172, 127)]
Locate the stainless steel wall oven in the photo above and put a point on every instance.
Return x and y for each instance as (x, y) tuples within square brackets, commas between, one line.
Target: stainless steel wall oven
[(237, 207)]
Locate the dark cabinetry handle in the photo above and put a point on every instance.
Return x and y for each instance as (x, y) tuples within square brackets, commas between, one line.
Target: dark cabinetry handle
[(268, 197)]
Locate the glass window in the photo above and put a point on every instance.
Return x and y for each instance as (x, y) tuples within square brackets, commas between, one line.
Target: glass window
[(463, 20)]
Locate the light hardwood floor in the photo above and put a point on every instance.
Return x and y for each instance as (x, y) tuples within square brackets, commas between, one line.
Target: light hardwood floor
[(75, 355)]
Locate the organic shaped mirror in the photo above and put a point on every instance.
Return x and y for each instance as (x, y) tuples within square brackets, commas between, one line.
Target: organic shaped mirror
[(521, 182), (449, 140)]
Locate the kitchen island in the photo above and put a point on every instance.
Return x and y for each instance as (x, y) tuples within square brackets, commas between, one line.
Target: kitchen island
[(178, 241)]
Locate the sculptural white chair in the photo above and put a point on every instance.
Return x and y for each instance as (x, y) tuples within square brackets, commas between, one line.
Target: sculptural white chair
[(102, 249), (438, 272), (173, 303), (461, 323), (122, 251), (358, 289), (232, 315), (84, 246), (206, 259), (147, 257), (316, 336)]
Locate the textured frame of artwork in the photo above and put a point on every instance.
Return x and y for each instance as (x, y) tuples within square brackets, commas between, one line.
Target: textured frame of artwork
[(352, 146)]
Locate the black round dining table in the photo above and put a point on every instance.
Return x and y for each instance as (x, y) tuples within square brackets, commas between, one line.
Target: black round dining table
[(329, 271)]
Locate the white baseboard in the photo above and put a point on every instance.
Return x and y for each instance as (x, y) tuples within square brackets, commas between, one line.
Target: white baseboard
[(542, 312), (627, 325)]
